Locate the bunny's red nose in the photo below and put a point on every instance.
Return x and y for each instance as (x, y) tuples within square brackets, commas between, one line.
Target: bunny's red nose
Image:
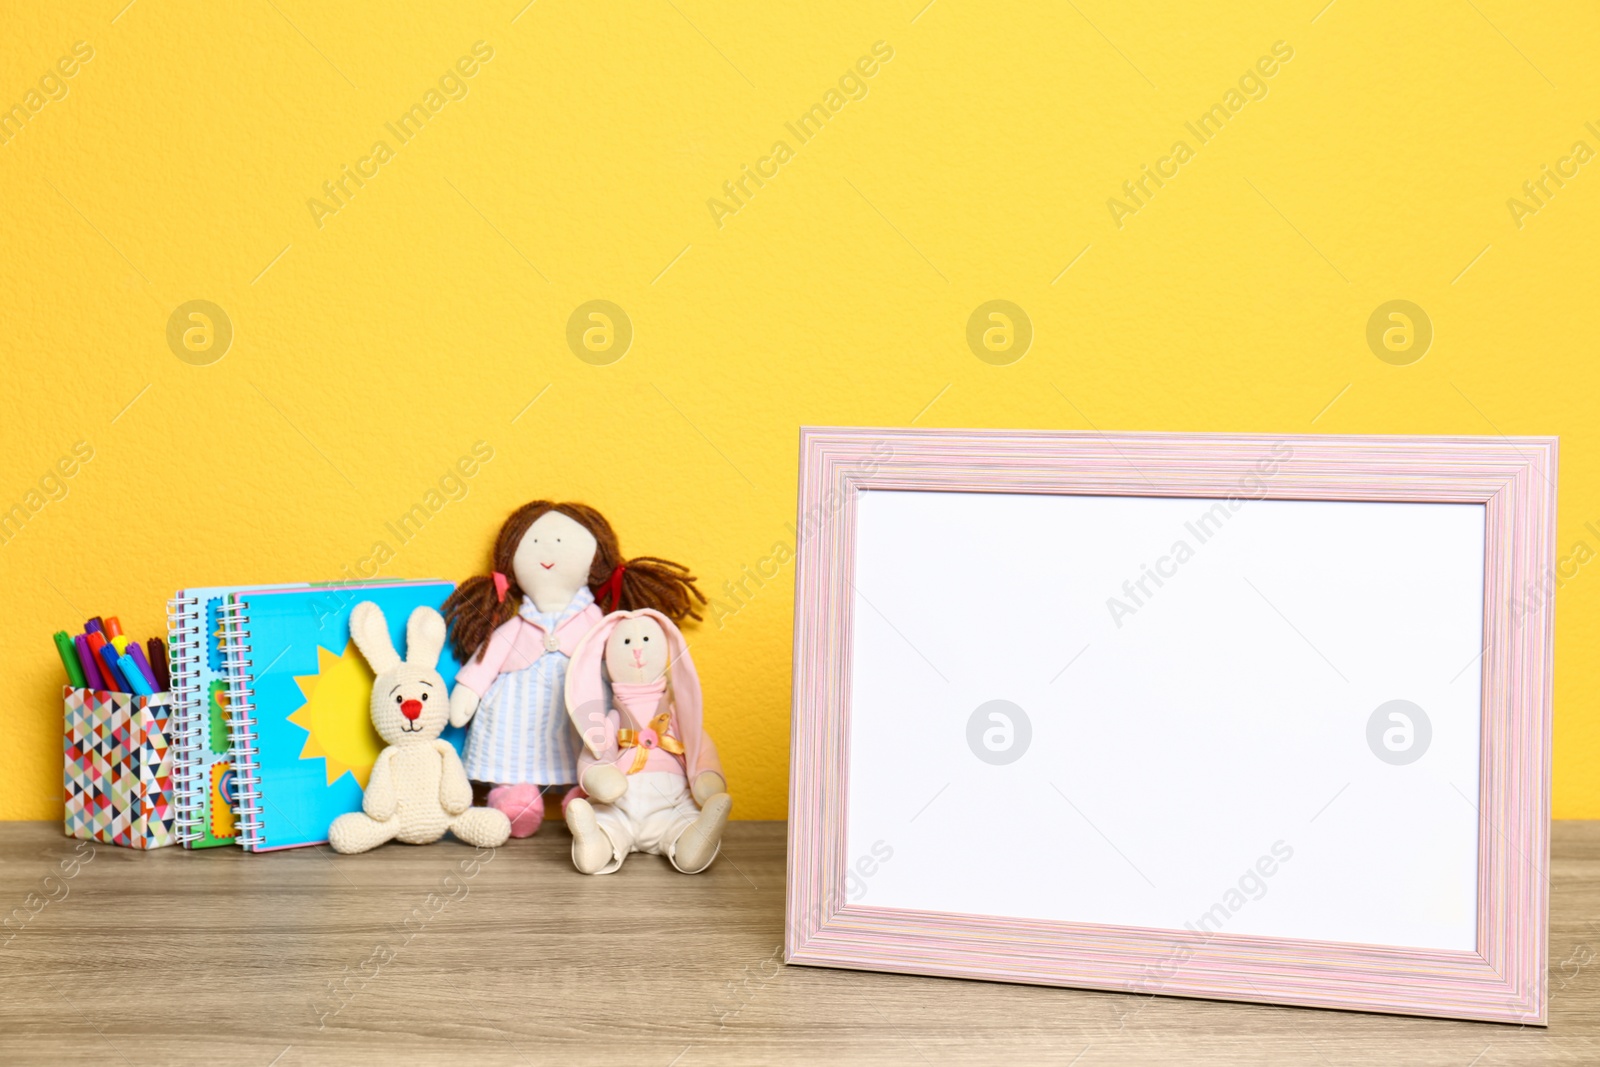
[(412, 709)]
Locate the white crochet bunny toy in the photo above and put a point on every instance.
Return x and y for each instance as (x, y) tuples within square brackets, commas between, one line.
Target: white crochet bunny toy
[(418, 788), (647, 759)]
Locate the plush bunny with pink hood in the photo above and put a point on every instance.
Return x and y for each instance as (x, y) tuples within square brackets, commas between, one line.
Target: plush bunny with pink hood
[(651, 772)]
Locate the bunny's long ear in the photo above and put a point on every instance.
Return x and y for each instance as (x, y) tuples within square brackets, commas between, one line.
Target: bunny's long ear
[(698, 754), (424, 638), (371, 633), (585, 687)]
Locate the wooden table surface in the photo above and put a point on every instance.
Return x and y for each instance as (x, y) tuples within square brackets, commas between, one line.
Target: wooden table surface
[(444, 954)]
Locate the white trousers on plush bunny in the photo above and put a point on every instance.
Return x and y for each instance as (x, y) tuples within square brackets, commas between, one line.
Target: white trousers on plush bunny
[(649, 817)]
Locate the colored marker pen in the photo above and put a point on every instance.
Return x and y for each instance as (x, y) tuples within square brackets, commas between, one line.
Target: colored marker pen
[(91, 669), (136, 681), (69, 659), (136, 654), (108, 667)]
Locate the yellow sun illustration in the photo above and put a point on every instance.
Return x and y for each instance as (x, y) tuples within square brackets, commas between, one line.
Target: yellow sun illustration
[(337, 717)]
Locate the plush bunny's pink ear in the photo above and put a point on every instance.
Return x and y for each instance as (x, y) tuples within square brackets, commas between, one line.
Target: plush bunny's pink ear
[(585, 689), (698, 751)]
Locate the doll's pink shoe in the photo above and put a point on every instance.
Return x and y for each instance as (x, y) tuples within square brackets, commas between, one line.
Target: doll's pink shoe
[(522, 804)]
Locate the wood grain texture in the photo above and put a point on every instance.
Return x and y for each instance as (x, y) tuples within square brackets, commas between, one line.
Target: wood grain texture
[(222, 956)]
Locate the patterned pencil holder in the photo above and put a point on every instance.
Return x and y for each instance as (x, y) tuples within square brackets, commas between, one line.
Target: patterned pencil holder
[(118, 768)]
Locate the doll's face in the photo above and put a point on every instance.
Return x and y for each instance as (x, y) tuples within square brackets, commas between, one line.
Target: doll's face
[(553, 559), (636, 651)]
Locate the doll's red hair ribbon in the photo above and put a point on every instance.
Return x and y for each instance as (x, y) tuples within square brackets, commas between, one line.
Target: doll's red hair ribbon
[(611, 587), (501, 584)]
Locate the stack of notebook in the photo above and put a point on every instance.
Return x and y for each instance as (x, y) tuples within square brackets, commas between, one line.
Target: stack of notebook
[(271, 703)]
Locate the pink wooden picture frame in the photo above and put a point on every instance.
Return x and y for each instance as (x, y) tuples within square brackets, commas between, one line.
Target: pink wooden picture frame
[(1513, 478)]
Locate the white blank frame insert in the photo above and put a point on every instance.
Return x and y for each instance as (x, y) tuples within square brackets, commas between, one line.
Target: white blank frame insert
[(1076, 737)]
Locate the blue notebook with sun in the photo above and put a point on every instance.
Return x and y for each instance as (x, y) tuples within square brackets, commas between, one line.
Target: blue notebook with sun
[(299, 692)]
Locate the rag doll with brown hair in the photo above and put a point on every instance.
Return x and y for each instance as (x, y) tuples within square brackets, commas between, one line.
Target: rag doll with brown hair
[(515, 629)]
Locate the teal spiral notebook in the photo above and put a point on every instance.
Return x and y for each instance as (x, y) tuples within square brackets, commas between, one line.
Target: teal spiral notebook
[(202, 768), (299, 694)]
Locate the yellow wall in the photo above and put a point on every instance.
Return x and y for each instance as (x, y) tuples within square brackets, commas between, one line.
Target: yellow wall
[(426, 312)]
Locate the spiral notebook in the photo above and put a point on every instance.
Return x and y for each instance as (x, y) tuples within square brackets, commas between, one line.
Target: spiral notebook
[(202, 767), (299, 694)]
